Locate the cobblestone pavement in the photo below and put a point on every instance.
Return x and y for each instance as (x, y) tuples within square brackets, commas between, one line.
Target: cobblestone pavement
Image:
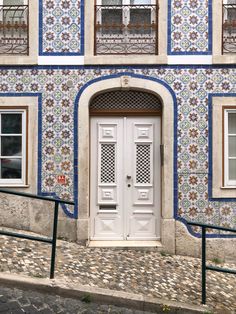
[(15, 301), (150, 273)]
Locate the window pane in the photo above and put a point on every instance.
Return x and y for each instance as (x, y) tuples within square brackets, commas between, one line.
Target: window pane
[(11, 123), (133, 2), (112, 2), (232, 123), (140, 20), (13, 2), (232, 169), (232, 146), (11, 146), (112, 21), (11, 168)]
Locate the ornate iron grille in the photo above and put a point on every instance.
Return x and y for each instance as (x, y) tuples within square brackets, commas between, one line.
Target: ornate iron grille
[(108, 163), (14, 29), (143, 167), (126, 29), (125, 100), (229, 27)]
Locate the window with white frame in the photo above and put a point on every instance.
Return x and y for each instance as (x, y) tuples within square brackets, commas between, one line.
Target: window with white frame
[(13, 155), (230, 147)]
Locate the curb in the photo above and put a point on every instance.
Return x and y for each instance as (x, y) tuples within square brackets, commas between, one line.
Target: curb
[(99, 295)]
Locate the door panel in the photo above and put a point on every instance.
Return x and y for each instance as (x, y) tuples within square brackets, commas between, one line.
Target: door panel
[(125, 178), (143, 141)]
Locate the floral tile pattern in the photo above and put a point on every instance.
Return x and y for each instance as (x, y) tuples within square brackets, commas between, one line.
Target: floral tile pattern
[(62, 34), (61, 27), (189, 26), (59, 88)]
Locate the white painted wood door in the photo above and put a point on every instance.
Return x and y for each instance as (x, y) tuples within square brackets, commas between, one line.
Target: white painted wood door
[(125, 178)]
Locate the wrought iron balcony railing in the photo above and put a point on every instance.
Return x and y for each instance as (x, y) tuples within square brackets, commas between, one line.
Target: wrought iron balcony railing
[(229, 29), (14, 31), (126, 29)]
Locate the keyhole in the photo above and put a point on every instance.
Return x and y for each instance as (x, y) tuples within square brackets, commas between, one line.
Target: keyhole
[(129, 185)]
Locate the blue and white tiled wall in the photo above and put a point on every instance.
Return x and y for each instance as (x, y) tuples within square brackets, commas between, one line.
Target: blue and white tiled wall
[(62, 27), (191, 86), (62, 34), (61, 24)]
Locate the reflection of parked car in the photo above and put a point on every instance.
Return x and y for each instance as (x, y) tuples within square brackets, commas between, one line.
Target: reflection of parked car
[(11, 168)]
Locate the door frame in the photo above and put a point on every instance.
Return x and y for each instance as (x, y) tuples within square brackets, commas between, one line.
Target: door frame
[(128, 81)]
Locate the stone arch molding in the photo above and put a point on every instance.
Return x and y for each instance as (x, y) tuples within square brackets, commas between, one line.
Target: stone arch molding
[(128, 81)]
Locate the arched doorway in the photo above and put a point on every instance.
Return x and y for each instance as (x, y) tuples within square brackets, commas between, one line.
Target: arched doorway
[(127, 81), (125, 172)]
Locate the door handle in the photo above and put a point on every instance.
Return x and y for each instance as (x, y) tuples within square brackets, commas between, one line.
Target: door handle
[(128, 177)]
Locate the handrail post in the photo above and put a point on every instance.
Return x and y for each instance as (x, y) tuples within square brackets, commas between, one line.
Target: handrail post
[(203, 265), (54, 240)]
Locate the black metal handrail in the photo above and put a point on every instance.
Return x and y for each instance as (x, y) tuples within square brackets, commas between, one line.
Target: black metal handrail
[(53, 240), (204, 266)]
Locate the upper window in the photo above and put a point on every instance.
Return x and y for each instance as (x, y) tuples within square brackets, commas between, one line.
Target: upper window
[(126, 27), (230, 147), (18, 31), (14, 27), (224, 31), (229, 27), (13, 146)]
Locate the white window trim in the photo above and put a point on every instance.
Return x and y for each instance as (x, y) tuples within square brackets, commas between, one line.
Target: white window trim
[(219, 189), (31, 103), (161, 58), (227, 181), (32, 57), (23, 180)]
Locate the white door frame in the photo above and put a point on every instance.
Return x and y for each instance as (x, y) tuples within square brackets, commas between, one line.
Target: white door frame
[(167, 197)]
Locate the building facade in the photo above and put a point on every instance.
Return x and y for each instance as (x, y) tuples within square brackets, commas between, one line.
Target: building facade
[(127, 107)]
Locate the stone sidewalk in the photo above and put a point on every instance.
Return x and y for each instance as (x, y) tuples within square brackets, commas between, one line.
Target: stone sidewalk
[(136, 271)]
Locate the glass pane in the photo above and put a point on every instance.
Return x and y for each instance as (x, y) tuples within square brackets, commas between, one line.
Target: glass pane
[(111, 21), (11, 146), (232, 169), (232, 146), (112, 2), (133, 2), (11, 168), (232, 123), (140, 20), (11, 123), (13, 2)]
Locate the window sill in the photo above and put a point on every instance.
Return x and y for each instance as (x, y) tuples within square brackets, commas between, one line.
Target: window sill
[(14, 186), (224, 59), (228, 187), (126, 59)]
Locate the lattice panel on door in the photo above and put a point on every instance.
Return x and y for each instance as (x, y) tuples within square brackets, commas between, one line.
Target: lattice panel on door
[(122, 100), (143, 163), (107, 163)]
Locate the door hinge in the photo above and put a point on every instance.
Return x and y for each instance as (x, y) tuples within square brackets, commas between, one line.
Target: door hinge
[(162, 154)]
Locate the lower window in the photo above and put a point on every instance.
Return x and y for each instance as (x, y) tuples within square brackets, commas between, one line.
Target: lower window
[(13, 150), (230, 146)]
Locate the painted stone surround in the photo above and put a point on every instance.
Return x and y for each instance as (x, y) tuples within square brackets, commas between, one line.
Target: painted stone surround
[(58, 88)]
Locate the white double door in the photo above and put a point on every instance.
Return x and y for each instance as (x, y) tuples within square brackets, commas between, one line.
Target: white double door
[(125, 178)]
